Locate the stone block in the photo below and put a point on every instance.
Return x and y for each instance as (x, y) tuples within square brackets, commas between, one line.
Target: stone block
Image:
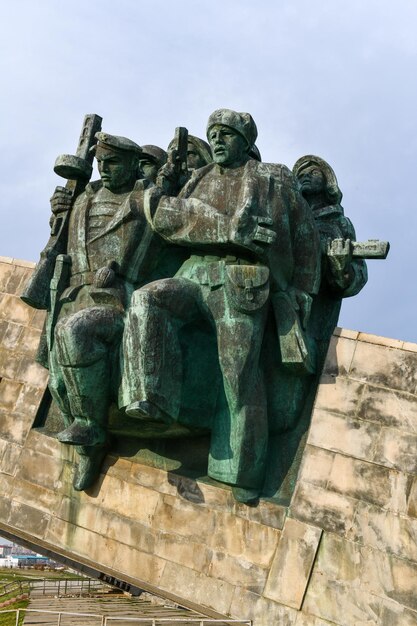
[(18, 278), (346, 333), (396, 615), (146, 567), (179, 549), (40, 469), (243, 539), (129, 532), (343, 434), (367, 569), (9, 393), (14, 426), (183, 518), (390, 577), (290, 572), (5, 506), (316, 465), (238, 572), (339, 357), (386, 367), (309, 620), (397, 450), (266, 513), (6, 270), (38, 319), (127, 499), (41, 498), (11, 335), (9, 364), (44, 444), (28, 518), (23, 263), (412, 501), (380, 341), (32, 373), (29, 399), (29, 340), (15, 310), (88, 545), (198, 588), (411, 347), (10, 458), (263, 612), (341, 604), (369, 482), (340, 397), (323, 508), (119, 467), (390, 408), (385, 531)]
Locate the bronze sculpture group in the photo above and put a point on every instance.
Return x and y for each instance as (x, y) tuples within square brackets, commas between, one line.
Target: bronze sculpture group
[(196, 287)]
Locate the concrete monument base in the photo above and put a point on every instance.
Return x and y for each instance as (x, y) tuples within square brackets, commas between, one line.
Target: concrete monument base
[(343, 552)]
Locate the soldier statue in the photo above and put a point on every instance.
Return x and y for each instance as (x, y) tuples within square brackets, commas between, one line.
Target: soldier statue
[(110, 251), (253, 239), (342, 275)]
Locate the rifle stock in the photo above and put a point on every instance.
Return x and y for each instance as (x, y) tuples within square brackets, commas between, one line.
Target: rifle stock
[(37, 292)]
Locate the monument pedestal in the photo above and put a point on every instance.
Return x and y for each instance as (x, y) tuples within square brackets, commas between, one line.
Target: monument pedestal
[(343, 552)]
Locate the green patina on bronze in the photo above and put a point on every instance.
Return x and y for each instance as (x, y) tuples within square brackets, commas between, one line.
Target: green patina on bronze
[(194, 300)]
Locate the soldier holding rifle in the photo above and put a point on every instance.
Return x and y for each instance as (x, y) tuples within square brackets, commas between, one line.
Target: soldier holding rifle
[(107, 251)]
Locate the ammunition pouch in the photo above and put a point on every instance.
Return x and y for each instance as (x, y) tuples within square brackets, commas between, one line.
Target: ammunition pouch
[(247, 286)]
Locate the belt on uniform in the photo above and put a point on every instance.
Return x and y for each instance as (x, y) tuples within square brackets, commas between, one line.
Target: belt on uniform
[(87, 278), (78, 280), (228, 259)]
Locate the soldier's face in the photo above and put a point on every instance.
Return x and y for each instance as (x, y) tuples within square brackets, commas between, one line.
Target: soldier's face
[(194, 160), (116, 170), (312, 180), (148, 169), (227, 145)]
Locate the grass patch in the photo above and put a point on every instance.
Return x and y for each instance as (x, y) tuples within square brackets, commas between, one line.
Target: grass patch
[(9, 618)]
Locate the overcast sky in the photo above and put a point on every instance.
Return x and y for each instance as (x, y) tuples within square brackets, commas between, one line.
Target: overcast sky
[(333, 78)]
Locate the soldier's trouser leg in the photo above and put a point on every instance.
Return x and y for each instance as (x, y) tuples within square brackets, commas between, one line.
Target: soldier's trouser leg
[(239, 443), (57, 388), (152, 359), (84, 345)]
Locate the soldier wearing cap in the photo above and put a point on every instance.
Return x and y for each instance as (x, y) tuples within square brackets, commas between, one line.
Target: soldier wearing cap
[(198, 153), (107, 264), (150, 162), (252, 235), (341, 276)]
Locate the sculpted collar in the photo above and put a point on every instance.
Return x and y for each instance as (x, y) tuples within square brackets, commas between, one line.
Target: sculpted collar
[(332, 209)]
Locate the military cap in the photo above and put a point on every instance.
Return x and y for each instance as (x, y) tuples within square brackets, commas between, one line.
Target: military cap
[(201, 147), (155, 154), (254, 153), (332, 187), (104, 140), (242, 123)]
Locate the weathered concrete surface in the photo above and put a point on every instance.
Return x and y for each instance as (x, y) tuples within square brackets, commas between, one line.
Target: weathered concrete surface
[(343, 553)]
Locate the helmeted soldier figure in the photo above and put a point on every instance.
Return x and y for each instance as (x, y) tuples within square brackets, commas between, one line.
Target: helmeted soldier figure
[(341, 275)]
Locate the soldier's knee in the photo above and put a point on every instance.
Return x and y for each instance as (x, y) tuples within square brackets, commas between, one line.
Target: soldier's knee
[(156, 294), (75, 341)]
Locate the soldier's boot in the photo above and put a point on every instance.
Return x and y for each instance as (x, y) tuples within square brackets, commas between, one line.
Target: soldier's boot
[(89, 400), (148, 411), (89, 465)]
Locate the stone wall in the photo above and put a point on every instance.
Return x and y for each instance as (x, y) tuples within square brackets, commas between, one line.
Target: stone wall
[(343, 553)]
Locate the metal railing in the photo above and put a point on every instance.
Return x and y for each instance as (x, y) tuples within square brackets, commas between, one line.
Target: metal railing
[(47, 586), (149, 621)]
